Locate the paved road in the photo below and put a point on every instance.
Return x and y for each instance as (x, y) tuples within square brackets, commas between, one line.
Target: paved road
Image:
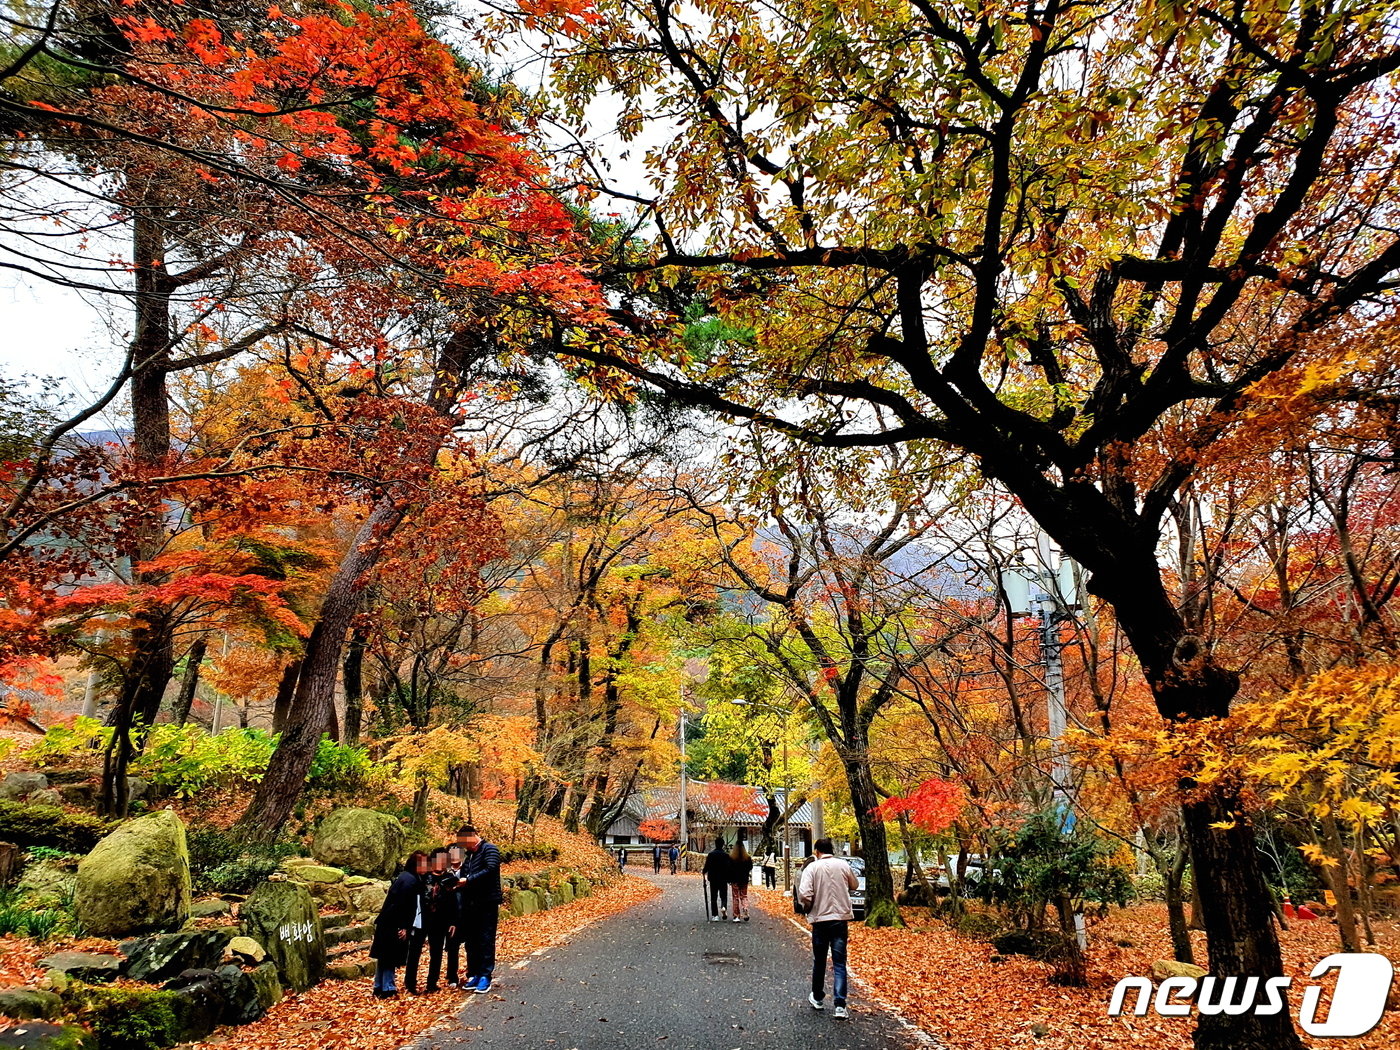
[(660, 976)]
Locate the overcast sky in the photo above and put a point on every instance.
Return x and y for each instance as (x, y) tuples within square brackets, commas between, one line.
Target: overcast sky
[(49, 330)]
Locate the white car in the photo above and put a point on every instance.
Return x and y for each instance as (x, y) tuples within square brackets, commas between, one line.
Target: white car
[(857, 895)]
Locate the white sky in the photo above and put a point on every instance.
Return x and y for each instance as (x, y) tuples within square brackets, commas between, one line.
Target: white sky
[(48, 330)]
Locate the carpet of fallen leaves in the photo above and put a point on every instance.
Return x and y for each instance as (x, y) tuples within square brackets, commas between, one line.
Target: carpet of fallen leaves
[(19, 957), (948, 985), (344, 1015)]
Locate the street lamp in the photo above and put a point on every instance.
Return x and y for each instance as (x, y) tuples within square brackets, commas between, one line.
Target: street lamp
[(787, 787)]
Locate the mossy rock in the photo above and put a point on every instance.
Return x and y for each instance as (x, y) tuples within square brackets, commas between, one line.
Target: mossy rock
[(134, 1018), (41, 1035), (361, 841), (137, 879), (282, 917), (26, 1004), (523, 902), (47, 882), (28, 825), (267, 984)]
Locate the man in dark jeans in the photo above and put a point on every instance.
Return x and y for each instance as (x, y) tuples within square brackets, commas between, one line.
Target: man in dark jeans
[(481, 906), (825, 895), (716, 873)]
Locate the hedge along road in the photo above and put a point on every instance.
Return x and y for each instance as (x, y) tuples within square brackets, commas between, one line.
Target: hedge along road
[(660, 975)]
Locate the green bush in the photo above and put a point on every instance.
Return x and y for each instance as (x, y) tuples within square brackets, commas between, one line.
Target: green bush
[(183, 760), (49, 826), (133, 1019), (1041, 864), (223, 863), (63, 744), (340, 767)]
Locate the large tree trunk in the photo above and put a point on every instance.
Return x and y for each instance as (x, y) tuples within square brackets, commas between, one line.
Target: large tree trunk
[(880, 906), (352, 673), (194, 659), (286, 690), (152, 659), (315, 691), (1188, 686)]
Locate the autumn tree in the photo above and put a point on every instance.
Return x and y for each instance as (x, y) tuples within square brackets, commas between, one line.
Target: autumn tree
[(1071, 240), (834, 566)]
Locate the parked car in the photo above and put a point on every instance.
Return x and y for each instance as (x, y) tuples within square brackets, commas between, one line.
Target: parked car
[(857, 895), (938, 876)]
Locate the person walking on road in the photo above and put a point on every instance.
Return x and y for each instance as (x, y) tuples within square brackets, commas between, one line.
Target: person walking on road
[(656, 859), (716, 873), (825, 895), (399, 916), (621, 859), (769, 864), (675, 853), (481, 906), (740, 872)]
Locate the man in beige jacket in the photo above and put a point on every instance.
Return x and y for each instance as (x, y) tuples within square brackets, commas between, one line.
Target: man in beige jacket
[(825, 895)]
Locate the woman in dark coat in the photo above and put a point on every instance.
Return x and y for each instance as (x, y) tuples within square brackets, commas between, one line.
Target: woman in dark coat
[(401, 914), (441, 910)]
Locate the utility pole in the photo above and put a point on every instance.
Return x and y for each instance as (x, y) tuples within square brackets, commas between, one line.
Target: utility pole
[(685, 823)]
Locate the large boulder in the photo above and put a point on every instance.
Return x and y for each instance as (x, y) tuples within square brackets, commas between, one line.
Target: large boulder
[(46, 882), (28, 1003), (282, 917), (155, 959), (137, 879), (22, 785), (242, 1001), (92, 967), (363, 900), (269, 987), (363, 841)]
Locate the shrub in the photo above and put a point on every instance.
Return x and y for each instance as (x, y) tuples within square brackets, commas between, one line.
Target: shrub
[(1045, 945), (132, 1019), (978, 925), (63, 744), (184, 759), (49, 826), (223, 863), (340, 767)]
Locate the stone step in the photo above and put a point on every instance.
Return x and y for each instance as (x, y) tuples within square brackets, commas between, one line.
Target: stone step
[(349, 935), (336, 920)]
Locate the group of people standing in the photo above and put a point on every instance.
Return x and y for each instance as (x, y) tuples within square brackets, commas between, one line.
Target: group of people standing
[(450, 900)]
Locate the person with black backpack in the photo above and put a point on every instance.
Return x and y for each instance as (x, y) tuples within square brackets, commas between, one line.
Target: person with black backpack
[(716, 874)]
